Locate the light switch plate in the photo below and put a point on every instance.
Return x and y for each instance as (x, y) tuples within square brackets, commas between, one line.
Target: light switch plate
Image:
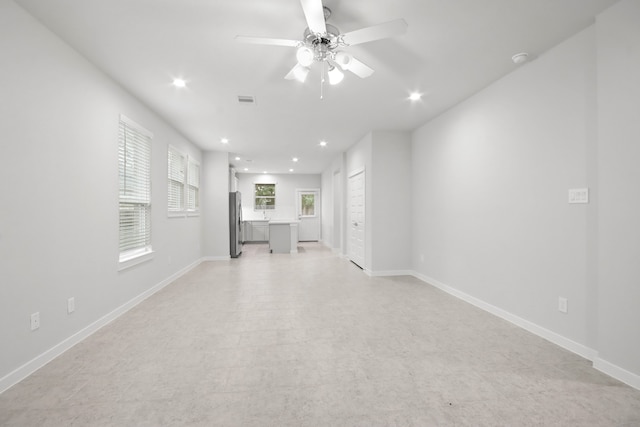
[(563, 305), (578, 195), (35, 321)]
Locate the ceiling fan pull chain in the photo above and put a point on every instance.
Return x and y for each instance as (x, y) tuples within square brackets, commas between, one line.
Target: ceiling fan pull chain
[(322, 81)]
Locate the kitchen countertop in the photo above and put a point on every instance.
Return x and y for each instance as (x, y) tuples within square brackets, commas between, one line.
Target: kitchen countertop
[(284, 221)]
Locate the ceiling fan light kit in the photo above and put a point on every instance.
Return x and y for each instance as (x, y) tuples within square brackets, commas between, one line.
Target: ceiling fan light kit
[(335, 75), (321, 42), (305, 56), (299, 73), (344, 60)]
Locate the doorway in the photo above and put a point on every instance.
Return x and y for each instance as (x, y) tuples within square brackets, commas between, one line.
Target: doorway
[(308, 209), (357, 218)]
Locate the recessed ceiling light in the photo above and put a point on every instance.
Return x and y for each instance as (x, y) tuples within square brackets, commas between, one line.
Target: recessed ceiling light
[(179, 83), (295, 159), (224, 140), (323, 143), (415, 96), (290, 170), (237, 158), (264, 172), (246, 169)]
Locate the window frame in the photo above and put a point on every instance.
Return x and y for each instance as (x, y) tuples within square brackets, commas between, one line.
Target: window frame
[(257, 207), (178, 180), (192, 184), (136, 167), (301, 207), (188, 181)]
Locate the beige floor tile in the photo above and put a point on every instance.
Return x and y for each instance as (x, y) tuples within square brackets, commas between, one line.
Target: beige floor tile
[(310, 340)]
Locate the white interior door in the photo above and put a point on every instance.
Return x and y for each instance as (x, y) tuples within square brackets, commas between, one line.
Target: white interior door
[(356, 218), (308, 208)]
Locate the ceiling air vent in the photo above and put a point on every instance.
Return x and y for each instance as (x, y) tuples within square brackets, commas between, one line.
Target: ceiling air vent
[(246, 99)]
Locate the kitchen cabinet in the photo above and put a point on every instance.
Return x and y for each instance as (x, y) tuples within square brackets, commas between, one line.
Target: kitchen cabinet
[(256, 231), (283, 237)]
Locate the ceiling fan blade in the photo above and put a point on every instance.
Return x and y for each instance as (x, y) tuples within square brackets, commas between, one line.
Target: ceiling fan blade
[(359, 68), (314, 14), (291, 74), (376, 32), (267, 41)]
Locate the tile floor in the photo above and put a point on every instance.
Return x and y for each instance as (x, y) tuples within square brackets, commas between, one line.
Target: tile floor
[(310, 340)]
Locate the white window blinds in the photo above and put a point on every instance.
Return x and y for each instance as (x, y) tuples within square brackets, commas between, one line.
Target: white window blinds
[(177, 166), (183, 177), (193, 186), (134, 161)]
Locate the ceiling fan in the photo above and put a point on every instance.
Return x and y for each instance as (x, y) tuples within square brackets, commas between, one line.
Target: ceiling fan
[(323, 43)]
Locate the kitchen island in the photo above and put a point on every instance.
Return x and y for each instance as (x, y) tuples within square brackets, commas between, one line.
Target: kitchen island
[(283, 236)]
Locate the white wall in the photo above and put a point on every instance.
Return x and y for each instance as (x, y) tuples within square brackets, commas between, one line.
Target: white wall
[(326, 187), (490, 181), (385, 157), (338, 220), (490, 178), (618, 238), (286, 186), (59, 191), (333, 185), (391, 202), (215, 202)]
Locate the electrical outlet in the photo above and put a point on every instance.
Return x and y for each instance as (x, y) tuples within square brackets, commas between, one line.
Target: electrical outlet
[(71, 305), (35, 321), (563, 305)]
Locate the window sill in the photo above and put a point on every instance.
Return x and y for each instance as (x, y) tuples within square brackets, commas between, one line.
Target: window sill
[(183, 214), (129, 260)]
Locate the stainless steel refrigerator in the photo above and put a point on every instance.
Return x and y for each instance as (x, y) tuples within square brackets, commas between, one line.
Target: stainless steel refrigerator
[(235, 224)]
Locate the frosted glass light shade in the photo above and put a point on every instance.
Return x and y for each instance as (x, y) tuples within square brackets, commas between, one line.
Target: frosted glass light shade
[(304, 55), (300, 73), (335, 75), (344, 60)]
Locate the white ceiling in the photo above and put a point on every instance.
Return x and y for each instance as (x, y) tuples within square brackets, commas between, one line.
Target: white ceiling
[(452, 49)]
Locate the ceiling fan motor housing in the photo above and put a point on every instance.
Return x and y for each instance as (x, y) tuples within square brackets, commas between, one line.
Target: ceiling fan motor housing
[(323, 44)]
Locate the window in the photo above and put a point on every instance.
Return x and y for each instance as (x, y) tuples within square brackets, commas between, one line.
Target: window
[(265, 196), (177, 165), (134, 170), (193, 186), (183, 180), (308, 204)]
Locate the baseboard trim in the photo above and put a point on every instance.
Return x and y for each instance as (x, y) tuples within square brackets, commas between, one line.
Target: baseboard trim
[(617, 372), (551, 336), (600, 364), (387, 273), (38, 362)]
